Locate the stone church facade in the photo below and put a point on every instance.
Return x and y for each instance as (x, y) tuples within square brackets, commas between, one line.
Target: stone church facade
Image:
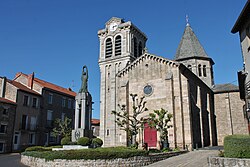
[(183, 86)]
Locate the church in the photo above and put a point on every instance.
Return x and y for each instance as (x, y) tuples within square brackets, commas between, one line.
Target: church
[(203, 113)]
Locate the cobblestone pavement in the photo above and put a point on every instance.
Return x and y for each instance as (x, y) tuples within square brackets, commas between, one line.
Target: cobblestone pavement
[(197, 158), (10, 160)]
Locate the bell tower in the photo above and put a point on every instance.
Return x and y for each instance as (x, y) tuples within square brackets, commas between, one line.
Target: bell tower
[(120, 43)]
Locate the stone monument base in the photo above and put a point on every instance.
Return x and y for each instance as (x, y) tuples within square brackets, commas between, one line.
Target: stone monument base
[(77, 133)]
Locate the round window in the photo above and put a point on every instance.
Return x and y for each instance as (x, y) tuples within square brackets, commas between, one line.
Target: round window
[(148, 90)]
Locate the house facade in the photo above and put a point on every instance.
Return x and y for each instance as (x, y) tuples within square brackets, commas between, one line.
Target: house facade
[(242, 26)]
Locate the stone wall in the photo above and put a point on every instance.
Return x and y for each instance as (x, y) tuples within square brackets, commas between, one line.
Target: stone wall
[(229, 162), (119, 162)]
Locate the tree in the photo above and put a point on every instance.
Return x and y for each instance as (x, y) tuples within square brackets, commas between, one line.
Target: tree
[(62, 127), (160, 120), (131, 123)]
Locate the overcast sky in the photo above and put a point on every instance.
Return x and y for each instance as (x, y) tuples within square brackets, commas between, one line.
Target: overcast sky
[(55, 38)]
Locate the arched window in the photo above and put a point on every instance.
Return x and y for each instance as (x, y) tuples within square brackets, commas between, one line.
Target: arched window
[(109, 48), (199, 70), (118, 45), (204, 71), (190, 67), (140, 48), (135, 48)]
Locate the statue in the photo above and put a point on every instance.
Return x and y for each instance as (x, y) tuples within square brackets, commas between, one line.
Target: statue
[(84, 87)]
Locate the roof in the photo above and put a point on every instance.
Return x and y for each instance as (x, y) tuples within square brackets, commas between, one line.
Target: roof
[(22, 87), (95, 121), (7, 101), (189, 46), (221, 88), (51, 86), (54, 87), (243, 18), (147, 56)]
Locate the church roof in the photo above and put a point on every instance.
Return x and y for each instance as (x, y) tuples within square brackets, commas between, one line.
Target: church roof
[(190, 46), (147, 56), (221, 88)]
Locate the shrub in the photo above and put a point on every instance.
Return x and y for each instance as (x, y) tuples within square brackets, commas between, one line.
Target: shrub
[(84, 141), (99, 153), (97, 142), (237, 146), (41, 148), (65, 140)]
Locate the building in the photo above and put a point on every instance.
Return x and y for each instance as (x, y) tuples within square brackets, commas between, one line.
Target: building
[(242, 26), (95, 124), (7, 117), (56, 102), (183, 86), (35, 104)]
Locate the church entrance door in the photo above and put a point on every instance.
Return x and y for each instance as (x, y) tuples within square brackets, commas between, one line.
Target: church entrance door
[(150, 136)]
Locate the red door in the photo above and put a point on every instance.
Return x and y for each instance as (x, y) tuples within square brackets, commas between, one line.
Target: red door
[(150, 136)]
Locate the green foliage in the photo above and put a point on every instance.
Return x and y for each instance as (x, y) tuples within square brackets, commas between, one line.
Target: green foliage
[(237, 146), (41, 148), (65, 141), (130, 121), (221, 153), (160, 120), (97, 142), (176, 149), (84, 141), (99, 153), (62, 127)]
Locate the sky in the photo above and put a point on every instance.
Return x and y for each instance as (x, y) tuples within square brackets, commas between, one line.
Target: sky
[(56, 38)]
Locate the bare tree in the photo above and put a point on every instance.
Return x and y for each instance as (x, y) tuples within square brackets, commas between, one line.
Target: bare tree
[(131, 122)]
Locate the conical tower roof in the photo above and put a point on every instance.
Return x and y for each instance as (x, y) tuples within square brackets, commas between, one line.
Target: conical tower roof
[(190, 46)]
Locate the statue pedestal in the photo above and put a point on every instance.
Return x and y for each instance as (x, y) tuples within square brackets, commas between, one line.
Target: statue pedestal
[(77, 133)]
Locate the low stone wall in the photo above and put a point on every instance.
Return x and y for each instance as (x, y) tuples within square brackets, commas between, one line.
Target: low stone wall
[(128, 162), (228, 162)]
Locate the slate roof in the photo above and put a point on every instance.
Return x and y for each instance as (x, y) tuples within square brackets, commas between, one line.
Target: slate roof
[(221, 88), (242, 19), (190, 47)]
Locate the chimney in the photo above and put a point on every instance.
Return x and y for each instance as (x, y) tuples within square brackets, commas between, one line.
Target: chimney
[(30, 80), (3, 87)]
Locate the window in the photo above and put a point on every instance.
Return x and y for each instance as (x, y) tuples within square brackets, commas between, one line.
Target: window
[(32, 123), (2, 147), (24, 121), (32, 138), (63, 116), (140, 49), (50, 100), (25, 100), (109, 48), (34, 102), (5, 111), (3, 128), (118, 45), (49, 118), (69, 103), (199, 70), (107, 132), (135, 48), (63, 101), (204, 71)]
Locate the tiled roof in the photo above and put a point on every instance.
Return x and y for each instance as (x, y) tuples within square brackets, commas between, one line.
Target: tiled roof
[(22, 87), (50, 85), (189, 47), (220, 88), (6, 101), (54, 87), (95, 121)]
